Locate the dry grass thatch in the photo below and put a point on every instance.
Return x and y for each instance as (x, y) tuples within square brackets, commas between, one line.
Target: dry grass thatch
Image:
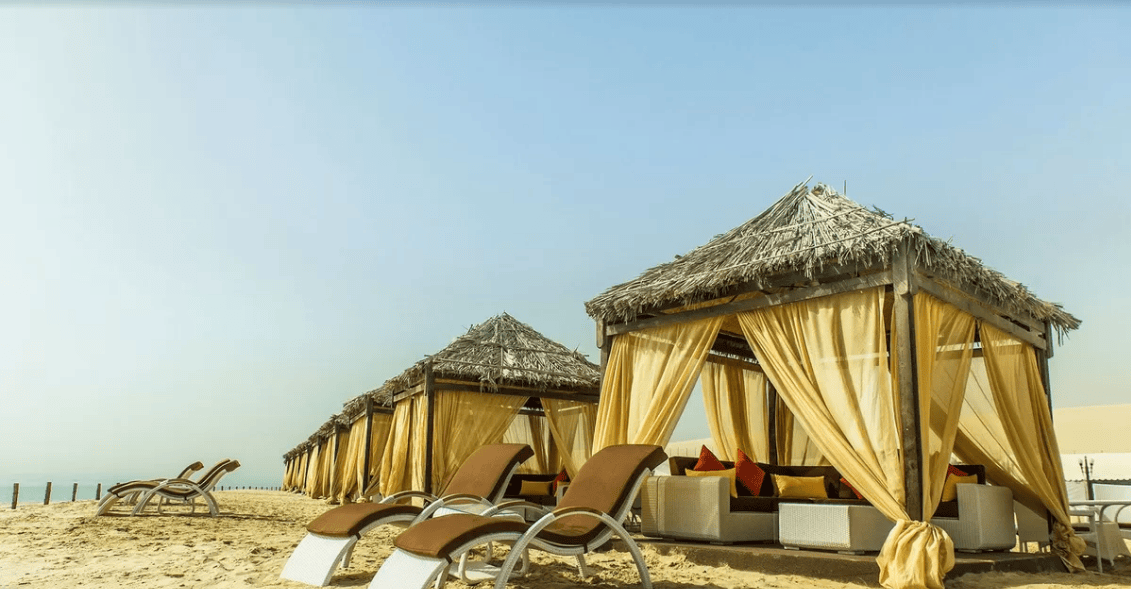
[(503, 351), (806, 231)]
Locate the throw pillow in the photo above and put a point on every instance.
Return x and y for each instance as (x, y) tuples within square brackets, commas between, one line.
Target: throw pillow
[(950, 490), (844, 482), (727, 473), (800, 487), (749, 473), (563, 477), (954, 470), (708, 461), (535, 488)]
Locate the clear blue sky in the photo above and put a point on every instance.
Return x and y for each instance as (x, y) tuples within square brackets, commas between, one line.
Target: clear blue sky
[(220, 224)]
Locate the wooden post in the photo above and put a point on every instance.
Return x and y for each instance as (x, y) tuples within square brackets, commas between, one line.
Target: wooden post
[(15, 494), (98, 492), (47, 494), (772, 421), (605, 343), (903, 319), (368, 445), (430, 395), (74, 492), (1043, 365)]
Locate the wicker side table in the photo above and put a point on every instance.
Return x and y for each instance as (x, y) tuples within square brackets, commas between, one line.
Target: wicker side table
[(850, 529)]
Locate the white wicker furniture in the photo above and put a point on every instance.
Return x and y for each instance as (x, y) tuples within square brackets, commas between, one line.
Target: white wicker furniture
[(698, 508), (986, 519), (846, 528)]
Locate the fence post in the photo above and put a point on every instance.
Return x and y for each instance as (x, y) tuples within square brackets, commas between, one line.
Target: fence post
[(98, 492), (74, 492), (15, 494), (47, 494)]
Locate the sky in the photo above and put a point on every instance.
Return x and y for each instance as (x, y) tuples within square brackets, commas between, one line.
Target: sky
[(218, 224)]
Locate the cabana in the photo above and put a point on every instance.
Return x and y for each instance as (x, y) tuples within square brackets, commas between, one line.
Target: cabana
[(827, 333), (469, 394), (341, 460)]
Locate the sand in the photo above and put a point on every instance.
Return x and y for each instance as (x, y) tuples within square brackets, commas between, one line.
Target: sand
[(64, 545)]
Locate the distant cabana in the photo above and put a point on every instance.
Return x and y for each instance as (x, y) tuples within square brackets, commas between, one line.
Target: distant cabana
[(469, 394), (827, 333)]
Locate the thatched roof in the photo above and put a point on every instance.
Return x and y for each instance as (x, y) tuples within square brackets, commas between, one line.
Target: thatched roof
[(807, 230), (503, 351)]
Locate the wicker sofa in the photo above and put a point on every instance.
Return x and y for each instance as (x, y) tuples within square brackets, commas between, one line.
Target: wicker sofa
[(701, 508)]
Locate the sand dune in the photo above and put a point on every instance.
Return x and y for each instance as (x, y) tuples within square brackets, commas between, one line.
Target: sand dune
[(63, 546)]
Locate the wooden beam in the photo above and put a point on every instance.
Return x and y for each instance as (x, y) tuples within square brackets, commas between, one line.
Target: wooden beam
[(903, 319), (828, 275), (430, 395), (413, 390), (368, 444), (979, 310), (513, 392), (770, 300), (993, 308), (743, 364), (772, 421)]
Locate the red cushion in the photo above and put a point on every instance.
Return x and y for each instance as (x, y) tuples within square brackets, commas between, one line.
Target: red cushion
[(562, 477), (954, 470), (707, 461), (845, 482), (749, 473)]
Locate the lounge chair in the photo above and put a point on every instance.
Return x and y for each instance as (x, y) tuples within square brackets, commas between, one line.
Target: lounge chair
[(183, 474), (589, 514), (179, 489), (478, 484)]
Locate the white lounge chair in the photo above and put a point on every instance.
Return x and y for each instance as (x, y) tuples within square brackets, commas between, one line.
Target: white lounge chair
[(589, 515), (330, 539)]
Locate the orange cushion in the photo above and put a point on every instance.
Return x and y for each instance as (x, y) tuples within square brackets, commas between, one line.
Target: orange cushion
[(950, 487), (562, 477), (954, 470), (708, 461), (845, 482), (800, 487), (749, 473), (728, 473)]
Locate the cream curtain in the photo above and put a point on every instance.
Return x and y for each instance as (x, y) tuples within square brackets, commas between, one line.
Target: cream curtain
[(1015, 383), (648, 380), (944, 346), (828, 360), (735, 400), (571, 425), (795, 447), (534, 431), (464, 422), (379, 437), (396, 470), (340, 463), (352, 457)]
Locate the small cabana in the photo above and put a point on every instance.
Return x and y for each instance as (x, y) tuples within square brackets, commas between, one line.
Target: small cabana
[(501, 381), (827, 333)]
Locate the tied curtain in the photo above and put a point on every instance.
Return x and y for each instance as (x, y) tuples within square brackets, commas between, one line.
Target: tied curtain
[(534, 431), (339, 462), (648, 379), (735, 399), (354, 479), (828, 360), (571, 426), (397, 473), (464, 422)]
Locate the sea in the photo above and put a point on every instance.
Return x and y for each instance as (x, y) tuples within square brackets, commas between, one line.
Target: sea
[(33, 491)]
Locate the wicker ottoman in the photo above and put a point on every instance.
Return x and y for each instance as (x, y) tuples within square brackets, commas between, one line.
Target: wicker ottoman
[(851, 529)]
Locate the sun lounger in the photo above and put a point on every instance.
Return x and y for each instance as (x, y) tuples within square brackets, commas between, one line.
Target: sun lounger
[(589, 514), (178, 489), (478, 484), (183, 474)]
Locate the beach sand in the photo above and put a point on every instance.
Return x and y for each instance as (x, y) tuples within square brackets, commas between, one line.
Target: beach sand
[(63, 545)]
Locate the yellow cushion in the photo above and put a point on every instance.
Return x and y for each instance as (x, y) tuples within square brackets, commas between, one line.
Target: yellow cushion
[(535, 488), (728, 473), (800, 487), (949, 490)]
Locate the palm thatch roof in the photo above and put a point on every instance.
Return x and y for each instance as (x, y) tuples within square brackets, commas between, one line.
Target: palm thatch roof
[(502, 351), (806, 231)]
